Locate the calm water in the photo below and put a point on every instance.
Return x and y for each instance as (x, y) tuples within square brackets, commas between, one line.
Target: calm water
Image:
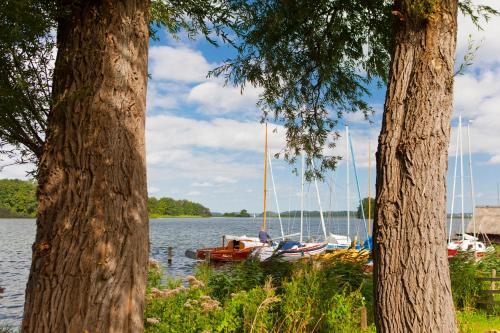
[(17, 236)]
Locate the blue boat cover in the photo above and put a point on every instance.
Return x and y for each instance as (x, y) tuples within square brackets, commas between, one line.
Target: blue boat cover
[(368, 244), (287, 245)]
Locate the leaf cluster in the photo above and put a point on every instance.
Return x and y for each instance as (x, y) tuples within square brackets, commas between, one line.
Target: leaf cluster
[(315, 61), (26, 64), (211, 19)]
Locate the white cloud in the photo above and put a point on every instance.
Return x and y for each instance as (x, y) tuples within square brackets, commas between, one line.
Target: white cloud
[(10, 170), (166, 132), (488, 53), (178, 64), (152, 189), (194, 193), (179, 75), (214, 98), (477, 93)]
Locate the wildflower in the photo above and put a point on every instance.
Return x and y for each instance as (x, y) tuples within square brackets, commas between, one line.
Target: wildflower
[(209, 305), (152, 263), (153, 321), (194, 282)]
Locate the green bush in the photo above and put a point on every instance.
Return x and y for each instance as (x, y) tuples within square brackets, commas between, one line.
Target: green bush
[(301, 297), (467, 290)]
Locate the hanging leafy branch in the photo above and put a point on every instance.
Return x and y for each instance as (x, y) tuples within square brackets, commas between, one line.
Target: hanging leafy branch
[(27, 55), (315, 60)]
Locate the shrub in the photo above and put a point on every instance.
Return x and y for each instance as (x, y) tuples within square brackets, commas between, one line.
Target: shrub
[(466, 288), (299, 297)]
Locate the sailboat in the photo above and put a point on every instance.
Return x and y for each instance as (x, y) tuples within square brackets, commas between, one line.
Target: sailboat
[(291, 250), (467, 243), (239, 248), (336, 242)]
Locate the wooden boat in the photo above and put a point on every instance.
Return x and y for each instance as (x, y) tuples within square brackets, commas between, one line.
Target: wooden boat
[(236, 249)]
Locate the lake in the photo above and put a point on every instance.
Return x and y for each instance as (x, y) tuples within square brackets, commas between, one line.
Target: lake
[(17, 236)]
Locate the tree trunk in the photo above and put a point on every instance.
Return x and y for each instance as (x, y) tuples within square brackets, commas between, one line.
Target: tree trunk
[(89, 265), (412, 283)]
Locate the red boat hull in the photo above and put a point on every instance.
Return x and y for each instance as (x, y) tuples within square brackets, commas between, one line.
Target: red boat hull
[(223, 254), (452, 253)]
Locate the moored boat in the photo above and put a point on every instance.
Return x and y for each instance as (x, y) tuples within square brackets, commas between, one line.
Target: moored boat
[(237, 249), (468, 244)]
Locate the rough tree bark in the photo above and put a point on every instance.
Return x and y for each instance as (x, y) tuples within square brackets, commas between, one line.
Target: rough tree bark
[(90, 255), (412, 283)]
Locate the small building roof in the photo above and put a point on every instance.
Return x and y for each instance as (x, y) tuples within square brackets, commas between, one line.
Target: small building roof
[(487, 220)]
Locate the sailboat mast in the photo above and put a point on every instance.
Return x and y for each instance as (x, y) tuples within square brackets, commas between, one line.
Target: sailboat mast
[(275, 195), (471, 182), (319, 203), (369, 186), (454, 186), (348, 181), (302, 198), (264, 226), (462, 175)]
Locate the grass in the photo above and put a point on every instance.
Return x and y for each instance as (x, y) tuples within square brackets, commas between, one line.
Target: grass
[(477, 321), (250, 297), (301, 297), (7, 329)]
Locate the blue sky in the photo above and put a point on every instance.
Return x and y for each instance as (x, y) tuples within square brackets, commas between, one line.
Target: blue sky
[(205, 142)]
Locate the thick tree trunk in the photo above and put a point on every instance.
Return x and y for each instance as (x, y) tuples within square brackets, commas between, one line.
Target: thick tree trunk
[(412, 283), (88, 272)]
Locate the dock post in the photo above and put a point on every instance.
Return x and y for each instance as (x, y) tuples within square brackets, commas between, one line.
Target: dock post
[(169, 255), (364, 319), (493, 276)]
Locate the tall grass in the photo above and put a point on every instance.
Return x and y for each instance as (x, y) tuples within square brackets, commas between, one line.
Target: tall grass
[(282, 297), (250, 297)]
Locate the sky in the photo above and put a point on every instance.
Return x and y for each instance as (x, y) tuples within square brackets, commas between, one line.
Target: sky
[(205, 142)]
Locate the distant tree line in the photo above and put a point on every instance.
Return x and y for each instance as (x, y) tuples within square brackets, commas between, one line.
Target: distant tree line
[(172, 207), (366, 206), (18, 199), (242, 213)]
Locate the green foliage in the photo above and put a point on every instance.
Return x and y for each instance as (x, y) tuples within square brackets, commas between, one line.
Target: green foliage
[(7, 329), (466, 289), (477, 322), (315, 60), (27, 56), (17, 198), (364, 202), (208, 18), (243, 276), (170, 207), (242, 213), (303, 297), (26, 62), (476, 12), (155, 274)]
